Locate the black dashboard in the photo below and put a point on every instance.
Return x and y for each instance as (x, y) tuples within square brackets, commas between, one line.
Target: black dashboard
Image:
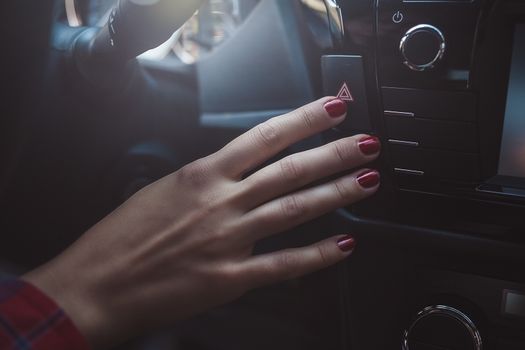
[(442, 84)]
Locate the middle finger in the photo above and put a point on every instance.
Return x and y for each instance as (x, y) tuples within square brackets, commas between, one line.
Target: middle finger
[(301, 169)]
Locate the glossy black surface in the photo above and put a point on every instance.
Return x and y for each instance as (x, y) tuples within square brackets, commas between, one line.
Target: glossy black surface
[(463, 88), (436, 163), (433, 134), (431, 104), (440, 332), (455, 20), (343, 76), (435, 238), (513, 144)]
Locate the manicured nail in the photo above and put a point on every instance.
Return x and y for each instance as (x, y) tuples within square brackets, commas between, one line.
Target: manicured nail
[(369, 145), (336, 108), (369, 179), (346, 243)]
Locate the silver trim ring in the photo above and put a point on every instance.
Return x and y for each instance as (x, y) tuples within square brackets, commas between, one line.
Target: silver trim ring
[(418, 29), (451, 312)]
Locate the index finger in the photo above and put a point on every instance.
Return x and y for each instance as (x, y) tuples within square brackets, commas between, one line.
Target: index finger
[(273, 136)]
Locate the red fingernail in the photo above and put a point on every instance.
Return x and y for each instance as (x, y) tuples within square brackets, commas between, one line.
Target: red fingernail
[(336, 108), (346, 243), (369, 145), (369, 179)]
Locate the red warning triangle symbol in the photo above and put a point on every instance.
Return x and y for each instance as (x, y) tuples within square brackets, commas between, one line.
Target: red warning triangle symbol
[(345, 94)]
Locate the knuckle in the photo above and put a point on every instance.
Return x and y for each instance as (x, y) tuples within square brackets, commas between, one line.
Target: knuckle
[(229, 273), (219, 233), (231, 278), (324, 256), (307, 116), (194, 174), (343, 190), (285, 264), (344, 151), (235, 196), (267, 133), (292, 208), (291, 169)]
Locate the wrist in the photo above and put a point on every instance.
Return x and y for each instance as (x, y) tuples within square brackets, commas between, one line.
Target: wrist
[(82, 304)]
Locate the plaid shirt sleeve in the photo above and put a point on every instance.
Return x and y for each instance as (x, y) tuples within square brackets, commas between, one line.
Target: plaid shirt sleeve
[(29, 320)]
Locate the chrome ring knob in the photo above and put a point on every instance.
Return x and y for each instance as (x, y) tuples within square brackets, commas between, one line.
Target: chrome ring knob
[(442, 327), (422, 47)]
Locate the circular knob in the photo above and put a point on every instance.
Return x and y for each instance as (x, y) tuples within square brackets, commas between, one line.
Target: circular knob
[(442, 327), (422, 47)]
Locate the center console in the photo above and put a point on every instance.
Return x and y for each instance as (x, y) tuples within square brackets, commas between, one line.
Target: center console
[(442, 83), (450, 92)]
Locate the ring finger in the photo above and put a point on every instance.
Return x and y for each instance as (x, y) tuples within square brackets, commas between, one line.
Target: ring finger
[(296, 208)]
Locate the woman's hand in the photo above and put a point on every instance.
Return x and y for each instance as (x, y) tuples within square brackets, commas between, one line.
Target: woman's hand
[(184, 243)]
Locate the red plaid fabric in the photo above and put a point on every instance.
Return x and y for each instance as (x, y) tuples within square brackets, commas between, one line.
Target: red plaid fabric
[(29, 320)]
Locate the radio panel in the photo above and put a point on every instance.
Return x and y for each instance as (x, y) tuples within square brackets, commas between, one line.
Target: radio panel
[(440, 73)]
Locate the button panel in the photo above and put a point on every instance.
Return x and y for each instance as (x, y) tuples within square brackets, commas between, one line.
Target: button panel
[(411, 42), (432, 134), (430, 104), (343, 76), (435, 163)]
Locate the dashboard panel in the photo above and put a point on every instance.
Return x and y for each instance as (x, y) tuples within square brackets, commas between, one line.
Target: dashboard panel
[(431, 96), (443, 85)]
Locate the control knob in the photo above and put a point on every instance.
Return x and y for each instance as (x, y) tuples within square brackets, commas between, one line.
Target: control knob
[(442, 327), (422, 47)]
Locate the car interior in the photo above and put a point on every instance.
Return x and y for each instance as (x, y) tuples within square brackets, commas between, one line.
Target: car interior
[(440, 262)]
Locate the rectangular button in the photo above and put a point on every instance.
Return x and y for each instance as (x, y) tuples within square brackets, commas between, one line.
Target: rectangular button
[(434, 163), (445, 105), (514, 303), (429, 133), (344, 77)]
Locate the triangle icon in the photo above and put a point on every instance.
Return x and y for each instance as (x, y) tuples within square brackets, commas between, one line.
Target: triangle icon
[(345, 94)]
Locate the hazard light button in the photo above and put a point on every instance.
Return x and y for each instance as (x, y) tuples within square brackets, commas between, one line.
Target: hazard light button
[(343, 76)]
